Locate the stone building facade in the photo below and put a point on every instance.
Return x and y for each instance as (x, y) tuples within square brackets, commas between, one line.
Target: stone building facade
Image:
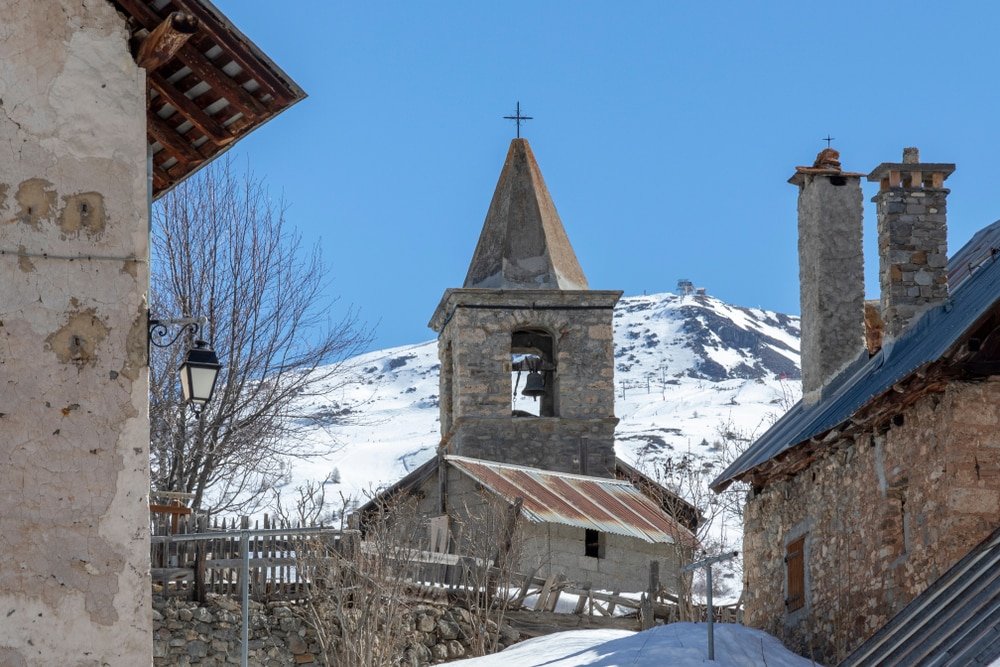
[(474, 345), (73, 379), (77, 169), (861, 498)]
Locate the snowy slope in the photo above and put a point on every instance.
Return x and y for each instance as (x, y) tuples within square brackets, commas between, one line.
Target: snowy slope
[(676, 644), (688, 369)]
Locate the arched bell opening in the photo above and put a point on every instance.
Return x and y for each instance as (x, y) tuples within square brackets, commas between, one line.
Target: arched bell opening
[(533, 374)]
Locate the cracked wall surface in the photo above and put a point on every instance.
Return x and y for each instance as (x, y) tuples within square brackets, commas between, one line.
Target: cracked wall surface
[(74, 228)]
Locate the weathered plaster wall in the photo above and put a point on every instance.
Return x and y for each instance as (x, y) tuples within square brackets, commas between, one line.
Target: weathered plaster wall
[(831, 276), (883, 515), (73, 383)]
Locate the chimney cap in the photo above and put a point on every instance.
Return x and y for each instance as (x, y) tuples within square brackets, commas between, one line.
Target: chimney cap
[(911, 163), (827, 162)]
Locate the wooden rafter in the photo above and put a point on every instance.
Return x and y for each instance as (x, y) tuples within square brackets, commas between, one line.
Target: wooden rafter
[(224, 38), (165, 40), (209, 126), (172, 42), (172, 142)]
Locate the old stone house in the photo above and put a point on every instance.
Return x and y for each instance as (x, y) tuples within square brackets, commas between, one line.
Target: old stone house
[(887, 473), (527, 318), (103, 105)]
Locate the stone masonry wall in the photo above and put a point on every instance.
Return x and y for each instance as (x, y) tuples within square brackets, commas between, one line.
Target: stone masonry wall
[(883, 515), (74, 228), (623, 567), (558, 548), (831, 276), (913, 252), (187, 633), (475, 335)]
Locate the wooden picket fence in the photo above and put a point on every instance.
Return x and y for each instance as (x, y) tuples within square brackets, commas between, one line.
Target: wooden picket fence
[(192, 568), (196, 568)]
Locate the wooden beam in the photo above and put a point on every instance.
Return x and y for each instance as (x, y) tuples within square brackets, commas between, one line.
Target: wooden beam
[(238, 50), (198, 63), (209, 126), (165, 40), (223, 84), (172, 142)]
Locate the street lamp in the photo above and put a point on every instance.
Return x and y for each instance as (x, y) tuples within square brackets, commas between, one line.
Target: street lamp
[(198, 373), (200, 368)]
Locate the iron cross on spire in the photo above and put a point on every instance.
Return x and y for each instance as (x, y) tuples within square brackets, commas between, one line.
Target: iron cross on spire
[(517, 118), (828, 139)]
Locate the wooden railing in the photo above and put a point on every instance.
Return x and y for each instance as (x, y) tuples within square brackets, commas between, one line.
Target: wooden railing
[(194, 568)]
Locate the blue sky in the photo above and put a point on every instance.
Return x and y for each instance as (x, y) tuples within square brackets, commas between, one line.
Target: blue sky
[(666, 132)]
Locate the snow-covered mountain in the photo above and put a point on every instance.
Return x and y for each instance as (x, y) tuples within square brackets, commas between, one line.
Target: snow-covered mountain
[(688, 370)]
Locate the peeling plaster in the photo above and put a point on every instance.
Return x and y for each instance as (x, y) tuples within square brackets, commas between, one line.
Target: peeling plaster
[(24, 263), (36, 201), (83, 211), (76, 341), (74, 586)]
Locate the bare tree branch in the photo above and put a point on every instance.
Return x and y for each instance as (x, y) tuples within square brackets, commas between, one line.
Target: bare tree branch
[(223, 249)]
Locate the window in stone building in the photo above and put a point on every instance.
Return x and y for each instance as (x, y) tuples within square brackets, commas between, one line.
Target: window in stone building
[(795, 572), (533, 374), (593, 544)]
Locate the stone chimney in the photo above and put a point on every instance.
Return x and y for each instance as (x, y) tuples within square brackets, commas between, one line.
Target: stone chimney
[(912, 238), (831, 270)]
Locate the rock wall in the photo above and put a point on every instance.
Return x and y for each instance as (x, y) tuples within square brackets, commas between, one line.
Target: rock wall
[(883, 515), (74, 231), (476, 327), (186, 633)]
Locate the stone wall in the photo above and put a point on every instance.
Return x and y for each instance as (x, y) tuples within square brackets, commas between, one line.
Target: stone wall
[(883, 515), (475, 327), (623, 566), (831, 275), (913, 253), (186, 633), (555, 548), (74, 228)]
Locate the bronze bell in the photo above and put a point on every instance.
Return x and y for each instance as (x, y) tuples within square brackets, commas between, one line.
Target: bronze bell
[(534, 386)]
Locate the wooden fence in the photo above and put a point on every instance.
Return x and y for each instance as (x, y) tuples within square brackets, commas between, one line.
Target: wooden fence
[(184, 564), (200, 566)]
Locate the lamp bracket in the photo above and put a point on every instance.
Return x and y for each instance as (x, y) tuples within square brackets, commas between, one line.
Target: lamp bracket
[(159, 330)]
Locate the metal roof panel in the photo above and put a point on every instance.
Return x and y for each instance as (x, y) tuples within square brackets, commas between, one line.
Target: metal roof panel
[(603, 504), (925, 341)]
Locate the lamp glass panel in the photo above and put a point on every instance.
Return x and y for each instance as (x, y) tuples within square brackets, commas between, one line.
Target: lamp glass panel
[(202, 383), (185, 382)]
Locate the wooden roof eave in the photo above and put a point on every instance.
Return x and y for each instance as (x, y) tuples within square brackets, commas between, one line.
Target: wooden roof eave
[(876, 415), (226, 89)]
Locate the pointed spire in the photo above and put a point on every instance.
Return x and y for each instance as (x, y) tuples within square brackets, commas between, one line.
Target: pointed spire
[(523, 244)]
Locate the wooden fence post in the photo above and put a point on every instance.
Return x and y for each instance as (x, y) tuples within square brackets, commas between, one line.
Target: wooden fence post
[(200, 593)]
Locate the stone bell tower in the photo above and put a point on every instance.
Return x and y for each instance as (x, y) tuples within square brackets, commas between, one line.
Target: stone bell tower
[(525, 317)]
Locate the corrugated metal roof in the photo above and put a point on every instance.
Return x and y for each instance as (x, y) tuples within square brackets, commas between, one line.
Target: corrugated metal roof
[(602, 504), (924, 341), (956, 621)]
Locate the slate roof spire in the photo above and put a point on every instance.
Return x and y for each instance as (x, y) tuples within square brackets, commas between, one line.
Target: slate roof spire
[(523, 244)]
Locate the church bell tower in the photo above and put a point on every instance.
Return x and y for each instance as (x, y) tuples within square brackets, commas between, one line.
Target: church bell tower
[(526, 348)]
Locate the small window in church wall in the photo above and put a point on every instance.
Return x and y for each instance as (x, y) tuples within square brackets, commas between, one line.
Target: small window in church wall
[(533, 374), (593, 543), (795, 571)]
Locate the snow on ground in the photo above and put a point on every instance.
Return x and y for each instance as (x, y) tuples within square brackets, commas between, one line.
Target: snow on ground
[(676, 645)]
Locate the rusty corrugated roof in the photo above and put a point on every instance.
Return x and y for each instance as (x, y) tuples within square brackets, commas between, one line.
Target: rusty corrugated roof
[(602, 504)]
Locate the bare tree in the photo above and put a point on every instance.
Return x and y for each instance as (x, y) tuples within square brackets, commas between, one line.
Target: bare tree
[(223, 249), (489, 535), (358, 597)]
